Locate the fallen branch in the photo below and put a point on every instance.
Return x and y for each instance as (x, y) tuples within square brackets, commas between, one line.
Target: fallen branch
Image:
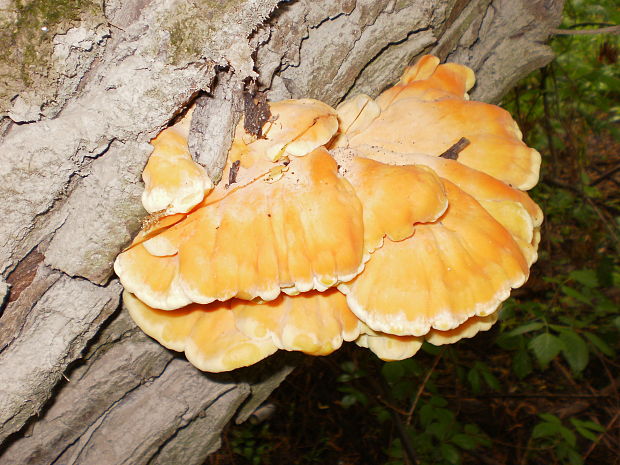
[(614, 30)]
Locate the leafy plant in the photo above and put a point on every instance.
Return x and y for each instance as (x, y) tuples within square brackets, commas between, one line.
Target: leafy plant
[(252, 443), (578, 318), (553, 434)]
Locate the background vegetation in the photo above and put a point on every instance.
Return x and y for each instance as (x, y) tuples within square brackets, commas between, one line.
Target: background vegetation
[(542, 386)]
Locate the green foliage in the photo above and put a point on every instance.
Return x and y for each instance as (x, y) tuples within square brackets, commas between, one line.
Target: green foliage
[(435, 432), (553, 434), (252, 443), (580, 86), (480, 373), (576, 319), (352, 395)]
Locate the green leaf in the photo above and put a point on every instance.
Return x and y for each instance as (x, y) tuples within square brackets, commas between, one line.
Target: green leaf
[(522, 363), (445, 417), (348, 401), (600, 344), (403, 389), (550, 418), (507, 342), (450, 453), (473, 376), (587, 428), (439, 430), (543, 430), (392, 371), (545, 347), (471, 428), (437, 401), (431, 349), (382, 414), (586, 277), (592, 425), (426, 415), (574, 458), (611, 81), (575, 350), (491, 380), (396, 449), (507, 310), (526, 328), (575, 294), (349, 367), (568, 436), (586, 433), (464, 441), (604, 305), (604, 272), (352, 396), (344, 378)]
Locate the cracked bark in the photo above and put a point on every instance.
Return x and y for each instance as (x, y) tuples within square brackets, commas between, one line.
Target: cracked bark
[(77, 376)]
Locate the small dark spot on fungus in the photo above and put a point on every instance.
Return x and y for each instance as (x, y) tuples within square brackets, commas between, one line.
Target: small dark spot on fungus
[(255, 109), (286, 162), (453, 152), (232, 174)]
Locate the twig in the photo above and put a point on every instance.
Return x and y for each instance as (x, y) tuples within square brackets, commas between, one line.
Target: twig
[(569, 378), (523, 460), (547, 120), (383, 390), (555, 183), (600, 436), (562, 185), (590, 23), (517, 446), (615, 30), (404, 437), (391, 406), (613, 383), (423, 385), (608, 224), (482, 458), (531, 396), (604, 176), (232, 174), (453, 152)]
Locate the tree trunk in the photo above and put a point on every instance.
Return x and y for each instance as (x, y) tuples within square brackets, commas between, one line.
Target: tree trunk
[(84, 86)]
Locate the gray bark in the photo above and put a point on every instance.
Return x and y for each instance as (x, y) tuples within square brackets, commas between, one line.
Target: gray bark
[(79, 383)]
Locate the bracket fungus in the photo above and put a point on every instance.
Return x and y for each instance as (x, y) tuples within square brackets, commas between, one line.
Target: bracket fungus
[(173, 183), (386, 222)]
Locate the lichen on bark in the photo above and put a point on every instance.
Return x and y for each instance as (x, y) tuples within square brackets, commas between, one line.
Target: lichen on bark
[(27, 32), (193, 27)]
